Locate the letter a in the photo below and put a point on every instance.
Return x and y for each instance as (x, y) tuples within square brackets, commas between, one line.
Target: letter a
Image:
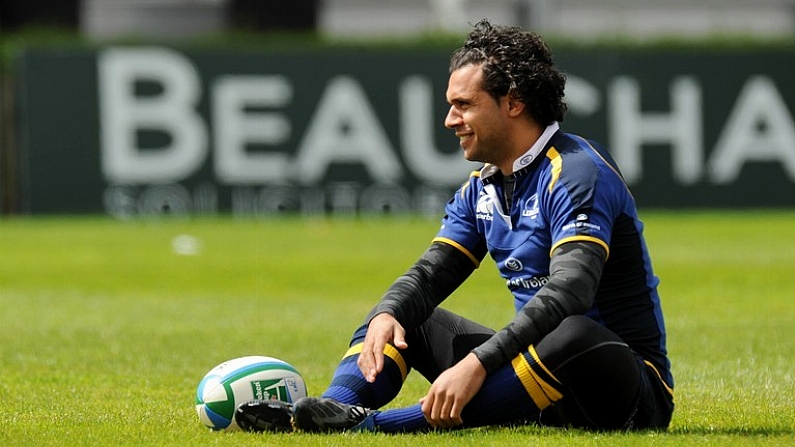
[(760, 128), (345, 129)]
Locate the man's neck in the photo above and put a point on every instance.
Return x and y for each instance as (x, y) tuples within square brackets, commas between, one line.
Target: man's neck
[(529, 144)]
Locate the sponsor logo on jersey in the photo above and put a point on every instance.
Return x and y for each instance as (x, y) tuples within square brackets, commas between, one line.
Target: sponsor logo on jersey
[(534, 282), (485, 207)]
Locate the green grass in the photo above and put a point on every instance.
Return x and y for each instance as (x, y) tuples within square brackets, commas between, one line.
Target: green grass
[(105, 331)]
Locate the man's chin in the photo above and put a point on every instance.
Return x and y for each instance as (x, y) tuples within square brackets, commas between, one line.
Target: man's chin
[(470, 156)]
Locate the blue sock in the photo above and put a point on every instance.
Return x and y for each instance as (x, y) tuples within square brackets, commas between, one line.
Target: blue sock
[(349, 386), (514, 393), (502, 399), (401, 420)]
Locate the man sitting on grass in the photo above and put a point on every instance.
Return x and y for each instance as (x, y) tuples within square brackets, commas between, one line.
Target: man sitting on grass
[(586, 347)]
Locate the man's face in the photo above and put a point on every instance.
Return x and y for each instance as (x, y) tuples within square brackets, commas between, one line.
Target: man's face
[(479, 121)]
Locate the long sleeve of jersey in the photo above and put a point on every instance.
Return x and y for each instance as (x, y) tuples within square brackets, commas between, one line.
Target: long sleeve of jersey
[(575, 269), (412, 298)]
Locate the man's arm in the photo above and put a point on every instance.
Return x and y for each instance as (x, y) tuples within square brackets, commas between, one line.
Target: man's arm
[(574, 272), (413, 296), (410, 301)]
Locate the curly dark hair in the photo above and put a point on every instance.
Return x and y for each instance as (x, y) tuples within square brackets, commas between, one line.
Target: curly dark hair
[(516, 63)]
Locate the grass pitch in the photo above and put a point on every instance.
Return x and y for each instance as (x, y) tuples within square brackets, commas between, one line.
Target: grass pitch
[(106, 327)]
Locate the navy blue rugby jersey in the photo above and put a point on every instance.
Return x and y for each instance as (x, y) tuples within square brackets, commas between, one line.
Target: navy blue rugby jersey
[(571, 191)]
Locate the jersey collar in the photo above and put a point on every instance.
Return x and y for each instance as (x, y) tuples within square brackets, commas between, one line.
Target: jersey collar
[(521, 164), (535, 150)]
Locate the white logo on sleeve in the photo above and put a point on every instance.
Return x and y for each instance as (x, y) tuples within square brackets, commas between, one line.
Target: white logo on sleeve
[(580, 223)]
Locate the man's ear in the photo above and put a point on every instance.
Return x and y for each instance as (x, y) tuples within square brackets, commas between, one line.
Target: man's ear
[(515, 107)]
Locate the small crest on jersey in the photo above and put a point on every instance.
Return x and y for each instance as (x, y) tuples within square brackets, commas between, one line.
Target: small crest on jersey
[(514, 264), (582, 217), (531, 207)]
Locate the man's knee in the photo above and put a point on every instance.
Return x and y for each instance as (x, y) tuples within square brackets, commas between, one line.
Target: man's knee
[(575, 335), (599, 371)]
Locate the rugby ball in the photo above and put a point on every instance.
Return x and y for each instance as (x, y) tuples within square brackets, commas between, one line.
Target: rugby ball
[(243, 379)]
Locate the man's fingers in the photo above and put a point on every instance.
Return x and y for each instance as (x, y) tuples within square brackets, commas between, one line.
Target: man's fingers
[(399, 338), (441, 411), (371, 359), (427, 407), (447, 417), (367, 361), (383, 329), (401, 343), (455, 414), (378, 360)]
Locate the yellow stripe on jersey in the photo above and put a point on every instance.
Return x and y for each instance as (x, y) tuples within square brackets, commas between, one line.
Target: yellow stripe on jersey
[(466, 183), (581, 238), (460, 247), (557, 166), (389, 351)]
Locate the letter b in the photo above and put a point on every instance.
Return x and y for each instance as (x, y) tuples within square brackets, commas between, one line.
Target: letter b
[(172, 110)]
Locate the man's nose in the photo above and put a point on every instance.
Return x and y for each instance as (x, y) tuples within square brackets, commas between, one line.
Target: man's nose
[(453, 118)]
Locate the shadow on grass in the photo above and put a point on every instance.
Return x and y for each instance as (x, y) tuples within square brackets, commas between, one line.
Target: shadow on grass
[(771, 431), (733, 431)]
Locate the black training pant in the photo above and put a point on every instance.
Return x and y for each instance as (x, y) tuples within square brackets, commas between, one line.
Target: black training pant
[(606, 385)]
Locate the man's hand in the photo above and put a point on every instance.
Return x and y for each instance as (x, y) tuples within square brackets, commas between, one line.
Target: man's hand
[(451, 391), (383, 329)]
